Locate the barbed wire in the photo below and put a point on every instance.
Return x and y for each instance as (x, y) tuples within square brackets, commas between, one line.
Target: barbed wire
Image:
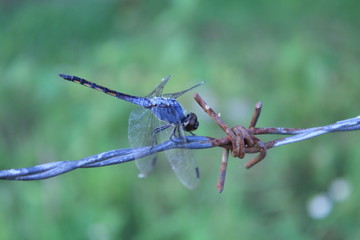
[(239, 140)]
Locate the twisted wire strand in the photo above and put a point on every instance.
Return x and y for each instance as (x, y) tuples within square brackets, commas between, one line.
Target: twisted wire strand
[(119, 156)]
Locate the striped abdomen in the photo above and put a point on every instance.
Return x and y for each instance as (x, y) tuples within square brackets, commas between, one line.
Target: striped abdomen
[(144, 102)]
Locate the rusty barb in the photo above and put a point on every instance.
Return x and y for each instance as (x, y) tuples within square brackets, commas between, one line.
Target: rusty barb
[(241, 140)]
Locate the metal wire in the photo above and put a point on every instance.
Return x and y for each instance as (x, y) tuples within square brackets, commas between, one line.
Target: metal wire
[(238, 140)]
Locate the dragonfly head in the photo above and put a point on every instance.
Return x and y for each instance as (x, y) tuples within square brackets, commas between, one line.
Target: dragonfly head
[(190, 122)]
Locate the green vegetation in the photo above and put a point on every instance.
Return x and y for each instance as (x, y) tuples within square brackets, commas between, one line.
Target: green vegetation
[(300, 58)]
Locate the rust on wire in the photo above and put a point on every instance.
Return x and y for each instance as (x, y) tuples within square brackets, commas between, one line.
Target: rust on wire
[(241, 139), (223, 167)]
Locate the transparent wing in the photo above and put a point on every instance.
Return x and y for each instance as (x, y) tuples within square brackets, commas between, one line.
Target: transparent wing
[(159, 88), (182, 162), (141, 126), (178, 94)]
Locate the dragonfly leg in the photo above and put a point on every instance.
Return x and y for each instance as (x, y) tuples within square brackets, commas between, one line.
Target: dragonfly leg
[(176, 134), (173, 134), (193, 134), (157, 130)]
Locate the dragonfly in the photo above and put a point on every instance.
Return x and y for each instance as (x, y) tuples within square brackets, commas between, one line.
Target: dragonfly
[(157, 114)]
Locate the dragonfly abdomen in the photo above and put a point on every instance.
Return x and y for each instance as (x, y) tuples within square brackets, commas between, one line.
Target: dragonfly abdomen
[(143, 102)]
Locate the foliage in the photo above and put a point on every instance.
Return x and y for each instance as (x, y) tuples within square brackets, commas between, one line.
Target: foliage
[(299, 58)]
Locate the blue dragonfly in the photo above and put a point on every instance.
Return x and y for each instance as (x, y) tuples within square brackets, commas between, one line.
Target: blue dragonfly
[(158, 114)]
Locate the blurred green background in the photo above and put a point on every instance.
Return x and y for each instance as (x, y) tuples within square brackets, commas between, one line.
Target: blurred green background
[(300, 58)]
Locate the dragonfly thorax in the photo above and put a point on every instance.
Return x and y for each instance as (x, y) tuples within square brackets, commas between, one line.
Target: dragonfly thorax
[(167, 109)]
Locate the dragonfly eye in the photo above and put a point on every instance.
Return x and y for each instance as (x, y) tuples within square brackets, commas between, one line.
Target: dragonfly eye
[(190, 122)]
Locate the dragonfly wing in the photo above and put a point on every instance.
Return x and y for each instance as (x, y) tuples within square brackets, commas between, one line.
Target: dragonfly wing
[(159, 88), (178, 94), (140, 132), (183, 164)]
